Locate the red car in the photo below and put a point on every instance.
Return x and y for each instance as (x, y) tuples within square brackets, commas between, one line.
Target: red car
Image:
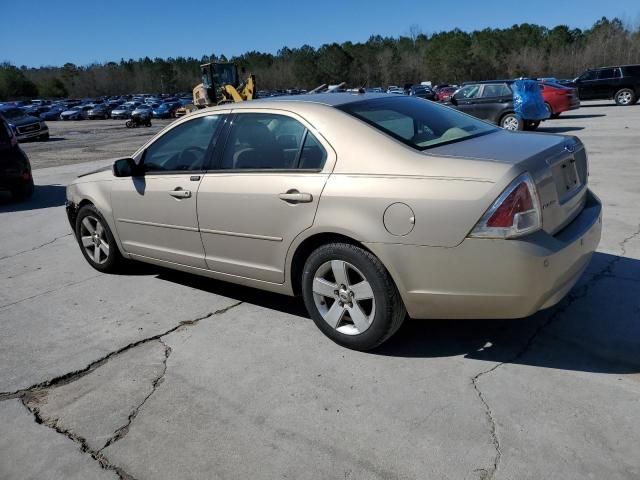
[(559, 98), (444, 93)]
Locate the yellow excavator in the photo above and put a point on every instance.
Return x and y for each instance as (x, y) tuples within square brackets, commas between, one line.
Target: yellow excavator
[(220, 84)]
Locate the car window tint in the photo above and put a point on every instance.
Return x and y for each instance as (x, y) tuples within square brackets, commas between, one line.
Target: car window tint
[(590, 75), (501, 90), (607, 73), (633, 70), (470, 91), (263, 141), (313, 155), (182, 148)]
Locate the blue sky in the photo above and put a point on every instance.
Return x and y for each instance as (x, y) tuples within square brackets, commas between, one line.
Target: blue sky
[(46, 32)]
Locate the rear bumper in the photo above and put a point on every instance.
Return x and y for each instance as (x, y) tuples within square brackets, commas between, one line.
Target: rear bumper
[(492, 278)]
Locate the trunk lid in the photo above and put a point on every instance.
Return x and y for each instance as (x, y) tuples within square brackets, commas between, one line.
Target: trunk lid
[(558, 164)]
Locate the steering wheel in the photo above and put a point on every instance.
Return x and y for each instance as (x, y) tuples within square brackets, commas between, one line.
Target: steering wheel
[(197, 152)]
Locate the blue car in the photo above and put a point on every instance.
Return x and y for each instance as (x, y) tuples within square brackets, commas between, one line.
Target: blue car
[(166, 110)]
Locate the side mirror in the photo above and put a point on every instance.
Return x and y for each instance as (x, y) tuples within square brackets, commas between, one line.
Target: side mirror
[(126, 167), (453, 100)]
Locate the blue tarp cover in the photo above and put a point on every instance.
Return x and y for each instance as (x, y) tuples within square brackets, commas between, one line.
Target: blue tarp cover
[(527, 100)]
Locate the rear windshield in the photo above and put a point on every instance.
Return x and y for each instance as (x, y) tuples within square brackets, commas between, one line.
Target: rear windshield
[(419, 123)]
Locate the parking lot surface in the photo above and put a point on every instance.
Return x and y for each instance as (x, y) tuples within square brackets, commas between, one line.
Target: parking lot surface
[(155, 374)]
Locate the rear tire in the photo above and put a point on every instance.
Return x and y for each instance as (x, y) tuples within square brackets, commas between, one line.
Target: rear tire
[(96, 241), (556, 115), (129, 124), (625, 97), (366, 311), (511, 122), (531, 124)]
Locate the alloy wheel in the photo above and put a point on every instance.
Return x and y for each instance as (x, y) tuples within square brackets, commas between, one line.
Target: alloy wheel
[(344, 297), (624, 98), (94, 239), (511, 123)]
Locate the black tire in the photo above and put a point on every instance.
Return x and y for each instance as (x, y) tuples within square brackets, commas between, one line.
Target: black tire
[(389, 311), (549, 110), (107, 263), (531, 124), (23, 191), (625, 97), (556, 115), (510, 121), (129, 124)]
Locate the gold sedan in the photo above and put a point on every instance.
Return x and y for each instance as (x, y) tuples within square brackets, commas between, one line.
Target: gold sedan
[(370, 206)]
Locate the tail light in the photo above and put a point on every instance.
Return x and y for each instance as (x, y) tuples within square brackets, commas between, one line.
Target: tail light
[(515, 213)]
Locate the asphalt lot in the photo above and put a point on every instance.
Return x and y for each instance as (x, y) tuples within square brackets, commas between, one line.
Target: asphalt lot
[(155, 374)]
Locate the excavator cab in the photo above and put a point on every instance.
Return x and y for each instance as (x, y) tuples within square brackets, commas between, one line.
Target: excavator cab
[(221, 84)]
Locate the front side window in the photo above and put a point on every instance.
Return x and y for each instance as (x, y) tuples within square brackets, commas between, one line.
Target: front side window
[(417, 123), (265, 141), (470, 91), (183, 148)]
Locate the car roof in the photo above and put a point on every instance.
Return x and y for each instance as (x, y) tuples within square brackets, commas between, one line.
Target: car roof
[(330, 99), (485, 82)]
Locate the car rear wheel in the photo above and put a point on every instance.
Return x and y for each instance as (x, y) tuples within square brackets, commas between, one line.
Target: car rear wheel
[(351, 296), (531, 124), (549, 110), (23, 191), (96, 240), (511, 122), (625, 97)]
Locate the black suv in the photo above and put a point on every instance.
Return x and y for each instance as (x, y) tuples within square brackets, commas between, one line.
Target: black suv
[(15, 169), (621, 83), (491, 101)]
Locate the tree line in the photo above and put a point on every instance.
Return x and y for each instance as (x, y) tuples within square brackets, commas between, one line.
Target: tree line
[(445, 57)]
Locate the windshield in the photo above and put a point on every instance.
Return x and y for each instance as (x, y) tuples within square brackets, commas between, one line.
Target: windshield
[(417, 123), (13, 113)]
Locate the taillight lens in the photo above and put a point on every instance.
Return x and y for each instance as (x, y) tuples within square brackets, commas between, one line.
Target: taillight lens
[(516, 212)]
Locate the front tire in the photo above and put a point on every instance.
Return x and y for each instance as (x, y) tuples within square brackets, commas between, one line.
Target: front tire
[(511, 122), (625, 97), (96, 240), (351, 296)]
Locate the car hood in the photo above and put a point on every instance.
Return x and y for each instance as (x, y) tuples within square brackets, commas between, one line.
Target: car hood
[(501, 146), (69, 112), (26, 120)]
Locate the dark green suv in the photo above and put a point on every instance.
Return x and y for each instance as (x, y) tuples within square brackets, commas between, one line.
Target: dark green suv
[(621, 83)]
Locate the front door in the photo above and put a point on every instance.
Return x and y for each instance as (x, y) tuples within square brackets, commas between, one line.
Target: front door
[(156, 213), (466, 99), (263, 193), (587, 85)]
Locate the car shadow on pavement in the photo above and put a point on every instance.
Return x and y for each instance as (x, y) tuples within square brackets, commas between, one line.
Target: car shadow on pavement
[(596, 328), (559, 129), (44, 196), (571, 116)]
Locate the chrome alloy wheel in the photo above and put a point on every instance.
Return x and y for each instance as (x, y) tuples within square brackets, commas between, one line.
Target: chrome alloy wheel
[(511, 123), (94, 240), (624, 98), (344, 297)]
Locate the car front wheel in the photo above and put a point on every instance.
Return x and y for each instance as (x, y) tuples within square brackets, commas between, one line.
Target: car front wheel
[(96, 240), (351, 296)]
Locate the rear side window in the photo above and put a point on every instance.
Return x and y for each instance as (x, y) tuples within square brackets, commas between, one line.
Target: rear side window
[(183, 148), (499, 90), (470, 91), (265, 141), (607, 73), (588, 75), (417, 123), (632, 70)]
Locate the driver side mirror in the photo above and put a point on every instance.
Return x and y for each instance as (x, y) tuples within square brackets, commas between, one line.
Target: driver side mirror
[(453, 100), (127, 167)]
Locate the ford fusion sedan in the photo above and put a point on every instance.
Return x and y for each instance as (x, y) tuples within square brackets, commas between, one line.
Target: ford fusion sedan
[(24, 126), (369, 206)]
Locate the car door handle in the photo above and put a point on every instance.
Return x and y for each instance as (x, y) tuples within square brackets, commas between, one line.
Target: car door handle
[(294, 196), (180, 193)]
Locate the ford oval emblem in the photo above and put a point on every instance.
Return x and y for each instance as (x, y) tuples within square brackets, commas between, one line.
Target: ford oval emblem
[(570, 147)]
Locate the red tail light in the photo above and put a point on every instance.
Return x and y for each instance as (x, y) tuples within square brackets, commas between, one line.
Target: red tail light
[(518, 201), (516, 212)]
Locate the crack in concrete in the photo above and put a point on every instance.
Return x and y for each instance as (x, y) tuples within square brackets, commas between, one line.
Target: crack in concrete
[(122, 431), (70, 284), (29, 396), (571, 299), (35, 248)]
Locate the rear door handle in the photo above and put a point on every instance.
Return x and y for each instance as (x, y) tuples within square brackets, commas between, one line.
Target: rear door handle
[(294, 196), (180, 193)]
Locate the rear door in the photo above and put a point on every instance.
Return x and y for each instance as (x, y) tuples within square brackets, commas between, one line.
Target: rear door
[(493, 101), (262, 192), (608, 83)]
